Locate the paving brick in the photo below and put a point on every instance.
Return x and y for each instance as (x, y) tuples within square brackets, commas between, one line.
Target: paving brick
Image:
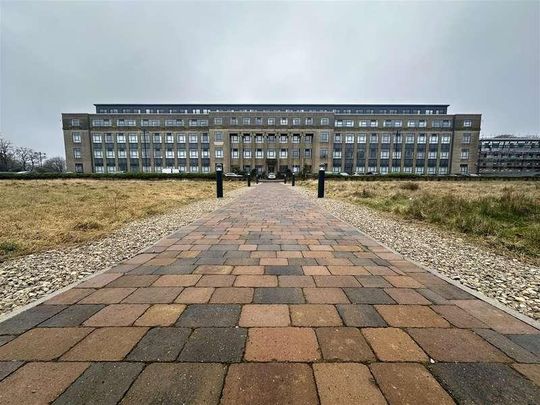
[(509, 347), (336, 281), (209, 315), (216, 280), (409, 384), (531, 371), (368, 296), (451, 292), (153, 295), (347, 270), (106, 344), (42, 343), (70, 296), (528, 342), (213, 269), (373, 281), (407, 296), (101, 383), (195, 295), (392, 344), (458, 317), (177, 280), (6, 338), (273, 261), (272, 383), (282, 344), (414, 316), (346, 383), (380, 271), (403, 282), (278, 295), (296, 281), (315, 270), (117, 315), (176, 383), (325, 296), (484, 383), (107, 296), (73, 315), (459, 345), (133, 281), (39, 383), (343, 344), (160, 315), (160, 344), (360, 315), (8, 367), (223, 345), (232, 295), (28, 319), (261, 315), (284, 270), (100, 280), (495, 318), (314, 315), (238, 270), (256, 281)]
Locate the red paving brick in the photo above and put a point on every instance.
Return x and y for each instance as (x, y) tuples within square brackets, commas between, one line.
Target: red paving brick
[(293, 299)]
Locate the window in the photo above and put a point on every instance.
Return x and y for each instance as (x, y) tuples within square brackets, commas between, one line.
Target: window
[(181, 153), (169, 138), (234, 138), (259, 138), (108, 138), (349, 138), (205, 153), (283, 153), (464, 154), (219, 153), (446, 124), (296, 139), (396, 155), (133, 138), (283, 139), (336, 154), (157, 154), (246, 121), (411, 124), (75, 122), (360, 169), (246, 139), (323, 153), (373, 138), (337, 138), (364, 123), (464, 169), (259, 154), (218, 137), (466, 138), (76, 137), (247, 153), (398, 123), (349, 123), (79, 168), (181, 138), (323, 137), (134, 154), (97, 138), (385, 154), (234, 154), (419, 170), (101, 123), (444, 155), (193, 138), (436, 123), (258, 121), (271, 153), (422, 123), (100, 169), (296, 121), (433, 139), (387, 123), (271, 121), (206, 169), (421, 138), (284, 121), (98, 154), (362, 138), (157, 138), (194, 169), (218, 121), (445, 138), (467, 123), (373, 123), (77, 153), (309, 121), (307, 153), (385, 138), (120, 138), (234, 121), (193, 153), (432, 155), (325, 121), (409, 138)]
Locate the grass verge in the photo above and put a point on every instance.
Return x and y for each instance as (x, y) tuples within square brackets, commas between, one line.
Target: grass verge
[(503, 215), (36, 215)]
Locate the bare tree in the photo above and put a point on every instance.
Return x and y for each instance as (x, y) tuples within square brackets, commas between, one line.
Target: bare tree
[(6, 155), (24, 156), (55, 164)]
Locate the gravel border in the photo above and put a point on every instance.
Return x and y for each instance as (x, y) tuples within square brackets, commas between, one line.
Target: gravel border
[(28, 278), (507, 280)]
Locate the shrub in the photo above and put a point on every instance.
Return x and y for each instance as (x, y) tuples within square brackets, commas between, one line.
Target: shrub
[(409, 186)]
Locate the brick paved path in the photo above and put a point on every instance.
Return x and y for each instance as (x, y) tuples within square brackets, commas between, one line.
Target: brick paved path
[(268, 301)]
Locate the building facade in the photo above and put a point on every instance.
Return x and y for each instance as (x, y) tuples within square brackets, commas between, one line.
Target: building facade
[(382, 139), (508, 155)]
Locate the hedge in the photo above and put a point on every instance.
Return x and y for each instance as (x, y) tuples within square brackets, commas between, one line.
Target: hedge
[(107, 176)]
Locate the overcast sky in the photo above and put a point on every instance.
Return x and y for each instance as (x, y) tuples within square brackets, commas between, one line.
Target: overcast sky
[(479, 57)]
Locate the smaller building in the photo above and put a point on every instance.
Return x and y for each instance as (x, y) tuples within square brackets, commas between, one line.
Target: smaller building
[(508, 155)]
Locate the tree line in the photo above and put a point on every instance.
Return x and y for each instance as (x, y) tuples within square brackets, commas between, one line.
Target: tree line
[(22, 159)]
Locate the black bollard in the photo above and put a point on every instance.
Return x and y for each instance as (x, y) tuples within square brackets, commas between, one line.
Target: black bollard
[(257, 179), (320, 193), (249, 181), (219, 183), (285, 179), (292, 180)]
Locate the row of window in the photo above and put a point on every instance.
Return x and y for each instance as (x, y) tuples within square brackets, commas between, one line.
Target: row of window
[(323, 137), (107, 122), (157, 169)]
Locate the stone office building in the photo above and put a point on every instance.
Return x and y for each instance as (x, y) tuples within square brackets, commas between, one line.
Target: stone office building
[(415, 139), (508, 155)]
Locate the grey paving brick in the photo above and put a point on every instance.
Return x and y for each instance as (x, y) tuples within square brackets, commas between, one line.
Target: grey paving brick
[(28, 319), (223, 345), (360, 315), (284, 270), (8, 367), (74, 315), (208, 315), (160, 344), (528, 342), (367, 296), (278, 295), (508, 346)]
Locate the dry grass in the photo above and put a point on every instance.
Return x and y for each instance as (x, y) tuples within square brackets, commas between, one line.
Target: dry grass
[(37, 215), (503, 215)]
